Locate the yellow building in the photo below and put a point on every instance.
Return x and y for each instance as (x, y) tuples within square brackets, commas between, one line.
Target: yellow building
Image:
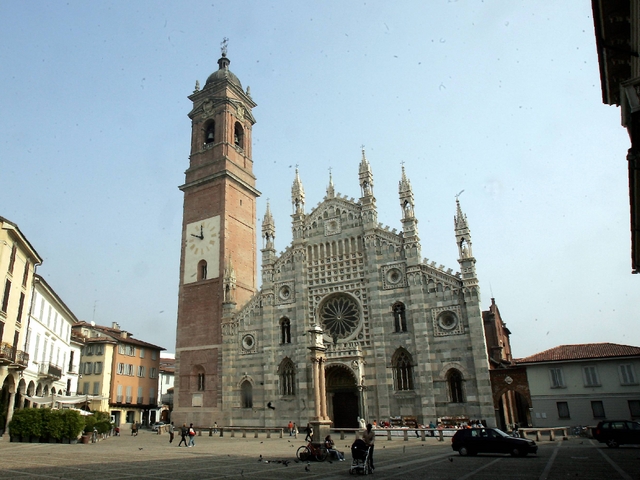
[(18, 260)]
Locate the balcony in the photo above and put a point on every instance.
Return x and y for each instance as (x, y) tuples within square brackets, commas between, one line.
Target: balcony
[(49, 370), (119, 399), (6, 353), (22, 359), (128, 400), (140, 400)]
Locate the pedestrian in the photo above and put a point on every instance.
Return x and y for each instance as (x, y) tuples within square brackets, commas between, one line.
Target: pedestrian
[(215, 427), (290, 428), (331, 448), (295, 430), (184, 431), (369, 437), (309, 432), (171, 432), (134, 429), (192, 435)]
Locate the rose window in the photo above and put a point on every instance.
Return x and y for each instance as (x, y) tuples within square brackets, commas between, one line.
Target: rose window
[(340, 316)]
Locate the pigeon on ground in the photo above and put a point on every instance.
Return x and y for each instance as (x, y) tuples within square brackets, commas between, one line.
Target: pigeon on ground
[(451, 459), (307, 469)]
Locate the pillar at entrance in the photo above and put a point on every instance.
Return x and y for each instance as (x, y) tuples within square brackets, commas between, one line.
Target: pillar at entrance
[(321, 423)]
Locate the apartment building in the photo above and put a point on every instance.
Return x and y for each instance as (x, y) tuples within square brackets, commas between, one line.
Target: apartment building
[(122, 370), (18, 261), (53, 355)]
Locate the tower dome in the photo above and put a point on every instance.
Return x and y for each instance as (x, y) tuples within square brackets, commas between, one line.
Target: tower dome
[(223, 73)]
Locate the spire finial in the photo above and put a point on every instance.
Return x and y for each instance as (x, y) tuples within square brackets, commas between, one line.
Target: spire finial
[(330, 189), (223, 46)]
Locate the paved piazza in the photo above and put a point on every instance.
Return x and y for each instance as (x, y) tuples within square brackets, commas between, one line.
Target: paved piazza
[(150, 456)]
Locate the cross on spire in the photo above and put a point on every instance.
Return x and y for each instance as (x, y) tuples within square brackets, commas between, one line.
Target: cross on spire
[(223, 46)]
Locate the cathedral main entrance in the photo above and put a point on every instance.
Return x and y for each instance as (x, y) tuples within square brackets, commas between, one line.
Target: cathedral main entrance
[(343, 398)]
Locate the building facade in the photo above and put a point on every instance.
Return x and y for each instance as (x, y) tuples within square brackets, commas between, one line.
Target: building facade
[(575, 385), (122, 370), (511, 395), (53, 357), (617, 31), (18, 261), (402, 339)]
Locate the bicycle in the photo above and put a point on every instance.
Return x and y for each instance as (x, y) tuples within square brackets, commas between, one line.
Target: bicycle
[(312, 452)]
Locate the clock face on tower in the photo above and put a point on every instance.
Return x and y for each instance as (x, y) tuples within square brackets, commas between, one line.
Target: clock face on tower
[(202, 248)]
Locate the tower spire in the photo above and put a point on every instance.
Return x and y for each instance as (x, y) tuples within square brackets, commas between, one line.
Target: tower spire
[(331, 192), (409, 221), (297, 195), (463, 234), (367, 200)]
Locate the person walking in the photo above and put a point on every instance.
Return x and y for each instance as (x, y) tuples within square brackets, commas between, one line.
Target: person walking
[(171, 432), (215, 427), (184, 431), (309, 432), (295, 430), (192, 435), (369, 437), (290, 428)]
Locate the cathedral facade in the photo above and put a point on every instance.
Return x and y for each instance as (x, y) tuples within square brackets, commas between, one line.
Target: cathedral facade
[(400, 338)]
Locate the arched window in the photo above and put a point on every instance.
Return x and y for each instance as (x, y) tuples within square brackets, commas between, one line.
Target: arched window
[(287, 374), (202, 270), (454, 381), (402, 370), (285, 330), (198, 376), (399, 317), (210, 133), (238, 135), (246, 394)]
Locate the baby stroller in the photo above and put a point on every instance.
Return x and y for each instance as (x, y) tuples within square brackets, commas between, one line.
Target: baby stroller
[(360, 455)]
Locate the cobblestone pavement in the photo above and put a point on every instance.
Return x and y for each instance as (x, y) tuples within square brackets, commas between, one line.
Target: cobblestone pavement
[(151, 456)]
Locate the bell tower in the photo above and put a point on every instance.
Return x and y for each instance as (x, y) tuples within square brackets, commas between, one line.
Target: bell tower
[(219, 224)]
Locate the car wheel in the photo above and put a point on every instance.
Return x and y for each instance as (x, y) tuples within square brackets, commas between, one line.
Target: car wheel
[(611, 443), (464, 451), (516, 452)]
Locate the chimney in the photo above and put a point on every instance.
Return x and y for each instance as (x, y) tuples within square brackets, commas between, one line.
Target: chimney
[(115, 325)]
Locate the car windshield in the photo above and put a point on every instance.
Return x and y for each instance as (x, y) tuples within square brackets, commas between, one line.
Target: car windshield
[(500, 432)]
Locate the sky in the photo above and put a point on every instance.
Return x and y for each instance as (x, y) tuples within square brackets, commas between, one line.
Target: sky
[(500, 99)]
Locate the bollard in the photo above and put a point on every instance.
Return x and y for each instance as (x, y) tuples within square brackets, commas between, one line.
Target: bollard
[(388, 434), (552, 434), (538, 436), (440, 436), (423, 435), (221, 431), (341, 434), (233, 433), (211, 431), (200, 432), (406, 436), (256, 434)]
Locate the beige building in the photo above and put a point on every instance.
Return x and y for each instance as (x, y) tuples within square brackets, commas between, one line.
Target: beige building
[(123, 370), (18, 260), (575, 385)]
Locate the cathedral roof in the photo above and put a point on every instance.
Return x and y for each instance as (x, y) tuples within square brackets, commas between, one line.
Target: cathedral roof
[(223, 73)]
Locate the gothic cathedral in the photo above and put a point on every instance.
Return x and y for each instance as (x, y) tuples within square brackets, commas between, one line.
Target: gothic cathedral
[(349, 320)]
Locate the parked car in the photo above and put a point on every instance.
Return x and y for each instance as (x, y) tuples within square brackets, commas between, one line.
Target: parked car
[(617, 432), (471, 441), (155, 426)]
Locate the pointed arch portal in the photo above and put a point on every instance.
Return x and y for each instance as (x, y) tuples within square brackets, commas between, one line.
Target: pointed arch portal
[(343, 396)]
